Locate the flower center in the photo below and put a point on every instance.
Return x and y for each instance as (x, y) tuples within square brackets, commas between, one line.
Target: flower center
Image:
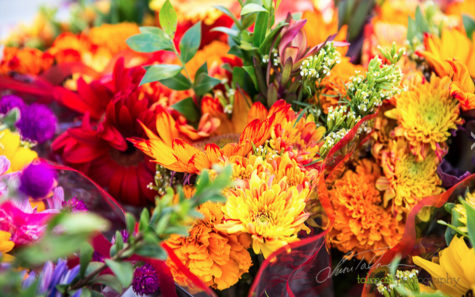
[(131, 156)]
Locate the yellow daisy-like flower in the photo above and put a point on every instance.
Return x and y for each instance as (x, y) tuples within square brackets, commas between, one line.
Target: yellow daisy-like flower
[(6, 245), (12, 148), (407, 180), (272, 212), (454, 275), (426, 113)]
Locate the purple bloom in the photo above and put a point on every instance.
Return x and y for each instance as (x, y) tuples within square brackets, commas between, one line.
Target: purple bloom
[(37, 123), (37, 180), (8, 102), (450, 175), (125, 236), (145, 280), (75, 205), (51, 276)]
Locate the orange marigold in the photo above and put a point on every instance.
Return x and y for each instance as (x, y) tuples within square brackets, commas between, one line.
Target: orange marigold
[(217, 258), (362, 226), (24, 60)]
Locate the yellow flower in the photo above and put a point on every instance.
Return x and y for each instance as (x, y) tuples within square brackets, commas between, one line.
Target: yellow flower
[(407, 180), (454, 275), (426, 113), (6, 245), (272, 212), (113, 36), (193, 10), (12, 148), (217, 258), (453, 44)]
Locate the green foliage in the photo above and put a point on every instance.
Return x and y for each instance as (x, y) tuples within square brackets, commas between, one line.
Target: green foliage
[(354, 13), (160, 72), (168, 19), (469, 25)]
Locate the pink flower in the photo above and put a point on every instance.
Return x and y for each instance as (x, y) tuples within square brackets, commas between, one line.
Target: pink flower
[(24, 227)]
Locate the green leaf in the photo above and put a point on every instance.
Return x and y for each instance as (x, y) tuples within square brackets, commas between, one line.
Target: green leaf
[(204, 83), (229, 14), (144, 220), (111, 281), (123, 270), (153, 251), (252, 74), (244, 81), (421, 22), (130, 222), (179, 82), (180, 230), (160, 72), (359, 18), (252, 8), (226, 30), (150, 29), (260, 28), (470, 222), (188, 109), (168, 19), (150, 42), (469, 25), (203, 69), (82, 223), (190, 42), (85, 256)]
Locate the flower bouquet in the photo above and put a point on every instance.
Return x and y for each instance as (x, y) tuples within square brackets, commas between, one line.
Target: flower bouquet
[(239, 148)]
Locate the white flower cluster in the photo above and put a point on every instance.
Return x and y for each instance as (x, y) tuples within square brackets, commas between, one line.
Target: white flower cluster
[(162, 180), (341, 116), (318, 66), (406, 279), (381, 82), (274, 56), (331, 139)]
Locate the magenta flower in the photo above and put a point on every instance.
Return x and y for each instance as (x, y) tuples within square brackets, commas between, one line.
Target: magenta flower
[(24, 227)]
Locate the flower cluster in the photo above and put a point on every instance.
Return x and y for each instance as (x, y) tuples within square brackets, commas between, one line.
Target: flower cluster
[(171, 145)]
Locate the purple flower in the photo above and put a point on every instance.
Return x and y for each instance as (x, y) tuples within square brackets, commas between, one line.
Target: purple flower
[(8, 102), (37, 123), (125, 236), (145, 280), (75, 205), (37, 180), (51, 276), (450, 175)]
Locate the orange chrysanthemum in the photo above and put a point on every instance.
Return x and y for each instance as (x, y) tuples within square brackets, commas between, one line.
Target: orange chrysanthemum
[(211, 54), (362, 226), (217, 258), (24, 61)]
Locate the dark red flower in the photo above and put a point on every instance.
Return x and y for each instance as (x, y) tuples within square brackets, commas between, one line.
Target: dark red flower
[(99, 147)]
